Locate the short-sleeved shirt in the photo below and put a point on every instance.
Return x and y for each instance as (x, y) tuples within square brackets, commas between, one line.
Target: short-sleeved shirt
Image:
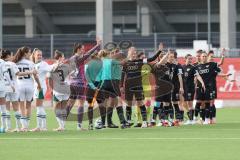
[(189, 73), (206, 71), (23, 66), (12, 70), (43, 68), (59, 79)]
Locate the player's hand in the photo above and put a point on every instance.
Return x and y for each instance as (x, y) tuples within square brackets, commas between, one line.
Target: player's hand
[(99, 41), (39, 88), (161, 46), (223, 52), (181, 91), (34, 72)]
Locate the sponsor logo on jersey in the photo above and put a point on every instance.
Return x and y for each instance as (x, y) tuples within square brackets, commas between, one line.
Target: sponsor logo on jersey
[(203, 71)]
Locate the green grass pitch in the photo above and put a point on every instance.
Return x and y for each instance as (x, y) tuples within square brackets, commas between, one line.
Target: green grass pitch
[(215, 142)]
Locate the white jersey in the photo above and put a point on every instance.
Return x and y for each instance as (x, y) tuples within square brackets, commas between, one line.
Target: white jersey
[(12, 70), (43, 68), (59, 76), (2, 72), (23, 66)]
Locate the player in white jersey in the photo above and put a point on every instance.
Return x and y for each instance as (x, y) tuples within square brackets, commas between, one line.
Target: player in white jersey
[(3, 77), (11, 95), (43, 68), (61, 89), (25, 84)]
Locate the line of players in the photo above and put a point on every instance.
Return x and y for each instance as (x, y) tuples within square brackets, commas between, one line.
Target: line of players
[(111, 73)]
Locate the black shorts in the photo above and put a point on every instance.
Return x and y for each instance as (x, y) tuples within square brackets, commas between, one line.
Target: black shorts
[(77, 91), (214, 93), (164, 98), (189, 93), (131, 91), (111, 89), (203, 96), (90, 94), (175, 95)]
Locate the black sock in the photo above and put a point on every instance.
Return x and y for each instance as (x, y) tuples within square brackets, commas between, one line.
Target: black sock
[(129, 113), (165, 110), (197, 109), (161, 113), (155, 112), (171, 112), (207, 110), (143, 112), (121, 115), (181, 115), (102, 111), (211, 112), (202, 114), (90, 115), (177, 111), (214, 110), (191, 113), (188, 114), (109, 115)]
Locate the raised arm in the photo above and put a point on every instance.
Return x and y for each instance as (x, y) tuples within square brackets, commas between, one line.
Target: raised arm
[(222, 58)]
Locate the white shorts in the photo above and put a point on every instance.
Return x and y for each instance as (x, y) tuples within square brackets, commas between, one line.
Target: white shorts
[(26, 93), (12, 96), (2, 94), (38, 95), (60, 97)]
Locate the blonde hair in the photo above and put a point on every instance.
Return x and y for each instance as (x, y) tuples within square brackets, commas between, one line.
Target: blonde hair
[(103, 53), (32, 57)]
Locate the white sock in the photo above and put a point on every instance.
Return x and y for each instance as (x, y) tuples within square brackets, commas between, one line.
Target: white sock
[(43, 117), (58, 114), (23, 122), (3, 116), (27, 121), (64, 116), (39, 117), (17, 119), (8, 120)]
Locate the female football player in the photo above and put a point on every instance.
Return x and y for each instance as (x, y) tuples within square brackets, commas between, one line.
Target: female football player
[(43, 69), (25, 84), (77, 79), (61, 90)]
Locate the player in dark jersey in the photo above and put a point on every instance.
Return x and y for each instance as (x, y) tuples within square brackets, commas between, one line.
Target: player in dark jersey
[(133, 83), (189, 87), (206, 70), (163, 90), (177, 81), (77, 79), (198, 103), (214, 84)]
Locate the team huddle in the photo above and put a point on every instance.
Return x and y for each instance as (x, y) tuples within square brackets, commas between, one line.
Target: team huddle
[(109, 79)]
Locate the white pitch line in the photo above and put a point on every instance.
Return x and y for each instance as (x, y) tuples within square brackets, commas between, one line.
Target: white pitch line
[(115, 138)]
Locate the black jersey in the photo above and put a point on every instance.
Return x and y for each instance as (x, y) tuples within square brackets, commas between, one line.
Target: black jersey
[(208, 71), (132, 69), (189, 74), (174, 71)]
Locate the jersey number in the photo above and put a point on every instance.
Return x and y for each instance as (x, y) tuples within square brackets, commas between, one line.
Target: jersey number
[(61, 75), (10, 74), (24, 69)]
